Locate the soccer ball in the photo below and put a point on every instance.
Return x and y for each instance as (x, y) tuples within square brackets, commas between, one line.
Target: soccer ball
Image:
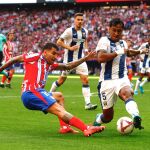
[(125, 125)]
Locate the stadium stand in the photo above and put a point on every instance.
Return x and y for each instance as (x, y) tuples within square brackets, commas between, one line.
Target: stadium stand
[(34, 27)]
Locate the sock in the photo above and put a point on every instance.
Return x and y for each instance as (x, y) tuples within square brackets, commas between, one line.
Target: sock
[(99, 118), (62, 123), (86, 94), (76, 122), (146, 80), (3, 79), (130, 76), (11, 75), (132, 107), (54, 86), (137, 84)]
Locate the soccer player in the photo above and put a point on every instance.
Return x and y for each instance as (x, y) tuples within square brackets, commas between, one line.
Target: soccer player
[(35, 97), (3, 40), (74, 41), (113, 81), (8, 54), (144, 69)]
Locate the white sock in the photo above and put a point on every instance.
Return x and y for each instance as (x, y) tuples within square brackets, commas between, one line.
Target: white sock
[(98, 118), (132, 108), (86, 94), (146, 80), (137, 84), (54, 87)]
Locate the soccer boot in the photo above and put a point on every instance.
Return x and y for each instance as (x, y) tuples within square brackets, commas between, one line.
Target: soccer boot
[(141, 89), (135, 92), (93, 129), (137, 122), (2, 85), (90, 106), (96, 123), (67, 129), (8, 85)]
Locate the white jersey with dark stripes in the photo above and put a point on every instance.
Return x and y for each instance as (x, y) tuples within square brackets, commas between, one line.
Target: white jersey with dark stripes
[(145, 63), (115, 68), (73, 37)]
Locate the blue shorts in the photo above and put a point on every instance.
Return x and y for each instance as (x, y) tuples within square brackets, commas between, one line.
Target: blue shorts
[(129, 67), (39, 99), (10, 68)]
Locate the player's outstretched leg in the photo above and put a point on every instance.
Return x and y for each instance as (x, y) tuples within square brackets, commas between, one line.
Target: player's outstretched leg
[(87, 130)]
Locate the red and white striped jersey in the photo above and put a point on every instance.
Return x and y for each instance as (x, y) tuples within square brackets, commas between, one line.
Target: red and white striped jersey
[(36, 71), (8, 52)]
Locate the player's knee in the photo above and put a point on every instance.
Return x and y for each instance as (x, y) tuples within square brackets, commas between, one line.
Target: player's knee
[(126, 93), (61, 97), (84, 80)]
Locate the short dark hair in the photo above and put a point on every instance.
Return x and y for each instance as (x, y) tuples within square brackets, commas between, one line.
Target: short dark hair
[(49, 46), (115, 22), (78, 14)]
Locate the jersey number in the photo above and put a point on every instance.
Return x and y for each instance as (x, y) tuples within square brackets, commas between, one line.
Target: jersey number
[(103, 95)]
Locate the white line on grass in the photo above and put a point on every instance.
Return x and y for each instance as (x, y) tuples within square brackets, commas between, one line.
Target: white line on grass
[(70, 76), (15, 96), (94, 94)]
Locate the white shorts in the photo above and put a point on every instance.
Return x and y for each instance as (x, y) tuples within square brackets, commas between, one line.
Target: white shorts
[(146, 68), (81, 69), (109, 89)]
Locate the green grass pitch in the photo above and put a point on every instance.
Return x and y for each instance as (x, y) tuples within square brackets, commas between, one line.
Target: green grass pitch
[(22, 129)]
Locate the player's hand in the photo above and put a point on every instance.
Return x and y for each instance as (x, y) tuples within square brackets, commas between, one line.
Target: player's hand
[(90, 55), (74, 48), (144, 51)]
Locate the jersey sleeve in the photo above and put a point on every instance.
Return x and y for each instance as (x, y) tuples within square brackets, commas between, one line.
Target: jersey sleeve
[(53, 67), (67, 34), (30, 57), (102, 45)]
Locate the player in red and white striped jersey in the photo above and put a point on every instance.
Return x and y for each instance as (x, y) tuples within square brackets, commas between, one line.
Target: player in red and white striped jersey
[(8, 50), (35, 97)]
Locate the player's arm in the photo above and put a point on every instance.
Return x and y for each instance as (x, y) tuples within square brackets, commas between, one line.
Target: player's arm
[(74, 64), (61, 43), (136, 52), (11, 62), (103, 56)]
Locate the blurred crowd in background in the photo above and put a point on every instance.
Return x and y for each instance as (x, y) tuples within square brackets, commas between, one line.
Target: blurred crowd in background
[(33, 28)]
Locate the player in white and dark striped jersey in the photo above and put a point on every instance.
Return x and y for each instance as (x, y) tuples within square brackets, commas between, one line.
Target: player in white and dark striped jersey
[(144, 68), (74, 40), (113, 81)]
